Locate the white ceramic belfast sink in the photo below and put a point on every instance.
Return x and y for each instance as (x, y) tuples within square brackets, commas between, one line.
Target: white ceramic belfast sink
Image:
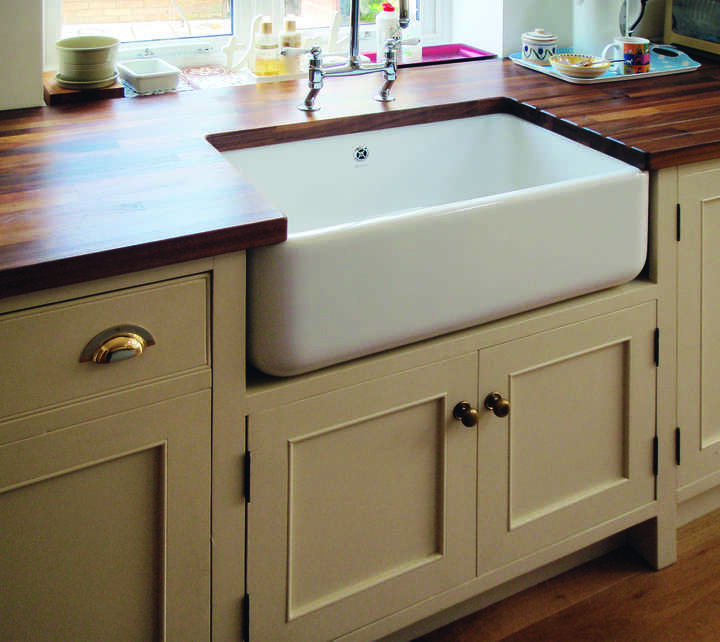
[(402, 234)]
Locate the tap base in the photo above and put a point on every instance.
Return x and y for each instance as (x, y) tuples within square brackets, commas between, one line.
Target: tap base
[(384, 99), (304, 107)]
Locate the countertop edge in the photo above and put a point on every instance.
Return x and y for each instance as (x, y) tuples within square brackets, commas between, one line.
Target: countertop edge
[(126, 260)]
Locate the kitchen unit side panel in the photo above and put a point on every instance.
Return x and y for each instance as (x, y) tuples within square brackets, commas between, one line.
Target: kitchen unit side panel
[(699, 328)]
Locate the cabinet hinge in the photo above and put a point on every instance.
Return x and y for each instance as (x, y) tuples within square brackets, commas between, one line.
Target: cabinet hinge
[(246, 617), (246, 476), (656, 449), (656, 346), (677, 446), (678, 221)]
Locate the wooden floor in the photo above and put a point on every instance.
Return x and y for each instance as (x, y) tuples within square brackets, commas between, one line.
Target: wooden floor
[(616, 597)]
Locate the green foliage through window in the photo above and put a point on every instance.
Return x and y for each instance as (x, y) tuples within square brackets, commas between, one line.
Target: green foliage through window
[(368, 9)]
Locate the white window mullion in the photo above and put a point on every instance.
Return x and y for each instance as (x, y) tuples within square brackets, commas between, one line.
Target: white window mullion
[(435, 19)]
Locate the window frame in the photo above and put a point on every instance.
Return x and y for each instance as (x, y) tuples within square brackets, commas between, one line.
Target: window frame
[(203, 49)]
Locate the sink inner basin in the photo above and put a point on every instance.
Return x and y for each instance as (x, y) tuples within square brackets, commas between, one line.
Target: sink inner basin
[(402, 234)]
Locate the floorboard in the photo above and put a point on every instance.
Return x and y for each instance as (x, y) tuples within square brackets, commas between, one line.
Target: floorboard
[(613, 598)]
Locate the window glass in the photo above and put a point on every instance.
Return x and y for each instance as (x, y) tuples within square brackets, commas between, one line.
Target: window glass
[(319, 13), (133, 20)]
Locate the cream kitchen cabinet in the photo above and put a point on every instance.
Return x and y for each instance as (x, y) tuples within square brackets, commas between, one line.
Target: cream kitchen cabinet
[(576, 447), (362, 502), (105, 485), (698, 319), (368, 499), (104, 530)]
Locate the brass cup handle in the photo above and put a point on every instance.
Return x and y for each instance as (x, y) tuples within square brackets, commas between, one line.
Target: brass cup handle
[(117, 344), (465, 413), (495, 402)]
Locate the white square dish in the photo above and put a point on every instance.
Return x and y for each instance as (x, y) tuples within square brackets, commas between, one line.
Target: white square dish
[(148, 75)]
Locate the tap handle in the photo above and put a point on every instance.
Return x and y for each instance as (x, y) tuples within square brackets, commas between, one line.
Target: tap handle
[(395, 41), (392, 44), (291, 52)]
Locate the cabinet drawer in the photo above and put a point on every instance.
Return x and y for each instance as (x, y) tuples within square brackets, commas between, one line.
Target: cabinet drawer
[(41, 347)]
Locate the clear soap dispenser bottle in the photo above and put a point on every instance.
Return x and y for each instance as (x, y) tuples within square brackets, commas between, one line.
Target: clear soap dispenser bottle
[(290, 37), (267, 51)]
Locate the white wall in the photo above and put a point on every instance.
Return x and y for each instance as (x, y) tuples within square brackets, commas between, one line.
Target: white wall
[(477, 23), (21, 53), (497, 25), (519, 16)]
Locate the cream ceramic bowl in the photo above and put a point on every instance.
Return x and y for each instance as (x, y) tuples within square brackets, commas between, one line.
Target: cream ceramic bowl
[(87, 58), (580, 65)]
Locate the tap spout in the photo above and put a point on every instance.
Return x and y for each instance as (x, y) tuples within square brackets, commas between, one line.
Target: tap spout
[(317, 72), (355, 31), (383, 95), (404, 14), (389, 72), (309, 103)]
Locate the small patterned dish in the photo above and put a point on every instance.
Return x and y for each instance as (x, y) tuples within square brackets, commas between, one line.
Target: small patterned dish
[(538, 46), (580, 65)]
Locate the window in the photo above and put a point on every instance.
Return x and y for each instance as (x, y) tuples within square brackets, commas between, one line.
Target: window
[(200, 28), (146, 19), (319, 13)]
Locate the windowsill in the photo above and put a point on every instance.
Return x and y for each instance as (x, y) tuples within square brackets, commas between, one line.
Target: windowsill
[(213, 76)]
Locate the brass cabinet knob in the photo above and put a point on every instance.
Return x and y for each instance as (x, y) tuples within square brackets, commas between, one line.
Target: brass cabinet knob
[(464, 412), (495, 402), (117, 344)]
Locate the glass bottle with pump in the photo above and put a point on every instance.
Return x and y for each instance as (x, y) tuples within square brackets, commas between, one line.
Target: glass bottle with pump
[(290, 37), (267, 51)]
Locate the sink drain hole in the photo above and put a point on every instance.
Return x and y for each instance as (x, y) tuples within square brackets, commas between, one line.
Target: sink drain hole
[(361, 153)]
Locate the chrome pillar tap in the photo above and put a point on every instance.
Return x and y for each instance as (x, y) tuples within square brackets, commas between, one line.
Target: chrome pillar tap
[(317, 72)]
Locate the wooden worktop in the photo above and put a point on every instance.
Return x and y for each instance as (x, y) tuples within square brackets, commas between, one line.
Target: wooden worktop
[(104, 188)]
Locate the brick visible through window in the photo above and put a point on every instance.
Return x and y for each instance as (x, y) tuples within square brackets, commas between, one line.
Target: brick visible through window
[(133, 20), (108, 11)]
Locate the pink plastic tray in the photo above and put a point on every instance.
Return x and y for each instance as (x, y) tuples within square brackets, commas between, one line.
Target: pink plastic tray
[(442, 54)]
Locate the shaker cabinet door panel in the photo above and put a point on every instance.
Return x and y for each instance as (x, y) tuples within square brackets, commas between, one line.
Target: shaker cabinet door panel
[(576, 446), (104, 528), (362, 502)]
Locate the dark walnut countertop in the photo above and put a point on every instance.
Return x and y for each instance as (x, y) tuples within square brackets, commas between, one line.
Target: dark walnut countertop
[(115, 186)]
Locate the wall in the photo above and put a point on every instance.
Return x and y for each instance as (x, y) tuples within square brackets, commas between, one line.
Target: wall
[(653, 22), (20, 53), (498, 25), (478, 23), (520, 16)]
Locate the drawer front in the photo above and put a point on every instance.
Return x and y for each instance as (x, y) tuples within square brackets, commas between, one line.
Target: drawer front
[(41, 347)]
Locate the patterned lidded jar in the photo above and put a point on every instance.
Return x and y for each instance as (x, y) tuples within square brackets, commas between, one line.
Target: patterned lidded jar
[(538, 46)]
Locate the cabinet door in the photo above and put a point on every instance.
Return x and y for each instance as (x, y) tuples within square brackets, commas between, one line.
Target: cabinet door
[(362, 502), (698, 318), (104, 528), (576, 448)]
